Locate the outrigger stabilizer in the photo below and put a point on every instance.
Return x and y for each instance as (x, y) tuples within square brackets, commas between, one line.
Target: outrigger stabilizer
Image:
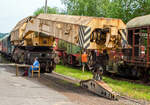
[(97, 86)]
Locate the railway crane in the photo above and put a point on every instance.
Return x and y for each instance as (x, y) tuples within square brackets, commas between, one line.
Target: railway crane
[(90, 33)]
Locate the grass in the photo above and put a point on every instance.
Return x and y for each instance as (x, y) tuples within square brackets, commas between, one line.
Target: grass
[(76, 73), (129, 89), (132, 90)]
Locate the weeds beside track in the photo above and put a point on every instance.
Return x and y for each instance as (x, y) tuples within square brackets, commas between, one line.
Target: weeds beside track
[(126, 88)]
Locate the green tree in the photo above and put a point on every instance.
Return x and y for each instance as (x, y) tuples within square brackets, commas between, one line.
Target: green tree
[(123, 9), (82, 7), (49, 10), (2, 35), (143, 7)]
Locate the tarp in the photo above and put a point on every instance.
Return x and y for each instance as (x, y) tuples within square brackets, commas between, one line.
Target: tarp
[(139, 22)]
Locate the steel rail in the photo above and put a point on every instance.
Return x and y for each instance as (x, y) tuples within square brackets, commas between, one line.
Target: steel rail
[(77, 81)]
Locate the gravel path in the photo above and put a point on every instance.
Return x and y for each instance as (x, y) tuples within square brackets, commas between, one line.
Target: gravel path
[(22, 91), (77, 94)]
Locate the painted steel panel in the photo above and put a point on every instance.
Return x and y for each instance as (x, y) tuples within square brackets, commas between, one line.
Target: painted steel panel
[(73, 29)]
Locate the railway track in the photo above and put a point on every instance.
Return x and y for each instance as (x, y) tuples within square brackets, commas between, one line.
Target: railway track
[(77, 81), (131, 80)]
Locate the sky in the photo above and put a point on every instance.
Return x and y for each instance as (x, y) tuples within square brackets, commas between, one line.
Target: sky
[(12, 11)]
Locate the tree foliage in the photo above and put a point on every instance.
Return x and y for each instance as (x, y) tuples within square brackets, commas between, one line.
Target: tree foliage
[(123, 9), (49, 10), (2, 35)]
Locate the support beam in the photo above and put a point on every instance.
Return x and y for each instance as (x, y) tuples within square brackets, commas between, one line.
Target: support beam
[(133, 44), (148, 33)]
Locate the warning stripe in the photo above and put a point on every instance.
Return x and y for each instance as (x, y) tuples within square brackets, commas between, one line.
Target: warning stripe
[(123, 36), (84, 36)]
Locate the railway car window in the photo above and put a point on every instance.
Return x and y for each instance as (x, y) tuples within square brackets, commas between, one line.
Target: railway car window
[(137, 39), (130, 38), (136, 51), (137, 31), (143, 40)]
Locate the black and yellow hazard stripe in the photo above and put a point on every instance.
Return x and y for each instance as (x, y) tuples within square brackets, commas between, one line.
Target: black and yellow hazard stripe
[(123, 36), (84, 36)]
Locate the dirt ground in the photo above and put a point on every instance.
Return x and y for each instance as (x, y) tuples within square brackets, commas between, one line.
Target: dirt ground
[(76, 94)]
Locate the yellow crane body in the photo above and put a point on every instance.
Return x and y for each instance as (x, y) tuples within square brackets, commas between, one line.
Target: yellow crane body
[(83, 31)]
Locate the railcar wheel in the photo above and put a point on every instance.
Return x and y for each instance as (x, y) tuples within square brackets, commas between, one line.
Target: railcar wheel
[(50, 70), (69, 59), (42, 68), (144, 76), (135, 72)]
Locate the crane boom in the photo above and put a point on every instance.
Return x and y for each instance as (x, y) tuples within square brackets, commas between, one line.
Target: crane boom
[(83, 31)]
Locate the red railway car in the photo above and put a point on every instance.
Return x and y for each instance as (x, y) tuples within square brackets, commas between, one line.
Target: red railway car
[(137, 58)]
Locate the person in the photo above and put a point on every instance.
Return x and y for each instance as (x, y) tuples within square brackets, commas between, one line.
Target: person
[(35, 66), (84, 60)]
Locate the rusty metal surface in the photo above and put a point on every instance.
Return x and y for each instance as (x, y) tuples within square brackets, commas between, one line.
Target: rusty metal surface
[(15, 31), (67, 28), (83, 20), (100, 88), (67, 32), (77, 30), (79, 20)]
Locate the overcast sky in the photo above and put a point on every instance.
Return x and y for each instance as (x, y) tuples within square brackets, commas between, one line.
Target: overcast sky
[(11, 11)]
